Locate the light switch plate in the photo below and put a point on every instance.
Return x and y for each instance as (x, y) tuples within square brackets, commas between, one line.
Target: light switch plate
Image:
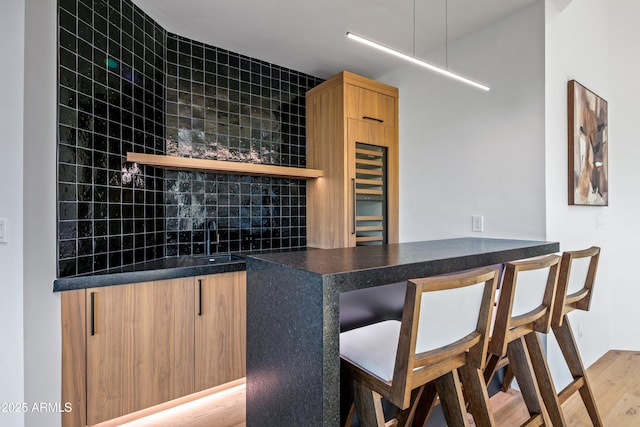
[(477, 223), (3, 230)]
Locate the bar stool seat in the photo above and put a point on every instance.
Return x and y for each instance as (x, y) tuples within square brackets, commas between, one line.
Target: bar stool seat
[(525, 309), (364, 346), (442, 337)]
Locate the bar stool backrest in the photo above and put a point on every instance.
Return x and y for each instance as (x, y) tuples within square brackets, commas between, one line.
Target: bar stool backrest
[(526, 300), (529, 293), (578, 276), (445, 325), (448, 315), (575, 282)]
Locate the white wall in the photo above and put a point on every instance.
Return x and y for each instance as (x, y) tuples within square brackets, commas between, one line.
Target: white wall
[(42, 359), (624, 37), (29, 311), (577, 47), (11, 191), (464, 151)]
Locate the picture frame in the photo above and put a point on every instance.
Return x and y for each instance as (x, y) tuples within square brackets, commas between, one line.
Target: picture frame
[(588, 147)]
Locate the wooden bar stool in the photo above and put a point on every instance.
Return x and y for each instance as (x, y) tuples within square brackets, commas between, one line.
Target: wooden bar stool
[(444, 328), (524, 309), (575, 289)]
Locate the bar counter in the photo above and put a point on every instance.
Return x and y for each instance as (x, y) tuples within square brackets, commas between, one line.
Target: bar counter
[(293, 315)]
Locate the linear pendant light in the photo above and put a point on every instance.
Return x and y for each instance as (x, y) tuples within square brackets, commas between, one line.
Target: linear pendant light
[(417, 61)]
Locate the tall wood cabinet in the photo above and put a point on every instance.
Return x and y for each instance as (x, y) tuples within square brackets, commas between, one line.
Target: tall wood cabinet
[(352, 135), (129, 347)]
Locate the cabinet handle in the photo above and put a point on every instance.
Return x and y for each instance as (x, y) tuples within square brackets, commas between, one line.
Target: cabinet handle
[(353, 188), (92, 318), (372, 118), (199, 297)]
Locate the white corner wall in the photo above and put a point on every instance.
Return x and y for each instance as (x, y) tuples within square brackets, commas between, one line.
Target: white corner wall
[(42, 330), (573, 53), (624, 211), (466, 152), (12, 24)]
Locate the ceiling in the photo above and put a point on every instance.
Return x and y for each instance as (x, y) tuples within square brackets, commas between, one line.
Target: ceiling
[(309, 36)]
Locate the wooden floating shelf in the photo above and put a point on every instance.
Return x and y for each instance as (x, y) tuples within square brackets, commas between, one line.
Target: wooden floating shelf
[(174, 162)]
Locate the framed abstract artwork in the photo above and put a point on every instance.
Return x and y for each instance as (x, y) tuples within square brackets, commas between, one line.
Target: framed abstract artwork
[(588, 147)]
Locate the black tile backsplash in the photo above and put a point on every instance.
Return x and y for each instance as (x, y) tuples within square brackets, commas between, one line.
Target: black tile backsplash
[(110, 101), (125, 84), (249, 213), (221, 105)]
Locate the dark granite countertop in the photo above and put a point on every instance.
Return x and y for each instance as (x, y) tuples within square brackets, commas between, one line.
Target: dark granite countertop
[(349, 260), (160, 269), (323, 262)]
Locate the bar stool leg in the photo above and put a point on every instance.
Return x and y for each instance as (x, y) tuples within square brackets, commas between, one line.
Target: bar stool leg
[(369, 406), (425, 395), (450, 392), (543, 377), (508, 378), (490, 367), (567, 344), (424, 405), (522, 369), (475, 391)]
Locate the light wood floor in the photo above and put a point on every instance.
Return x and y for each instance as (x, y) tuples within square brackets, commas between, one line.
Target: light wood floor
[(615, 380)]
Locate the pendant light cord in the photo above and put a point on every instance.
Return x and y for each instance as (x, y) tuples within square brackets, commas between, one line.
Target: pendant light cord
[(446, 34), (414, 27)]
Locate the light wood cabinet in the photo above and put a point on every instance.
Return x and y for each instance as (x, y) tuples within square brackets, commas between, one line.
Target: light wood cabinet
[(129, 347), (140, 348), (220, 329), (371, 104), (352, 136)]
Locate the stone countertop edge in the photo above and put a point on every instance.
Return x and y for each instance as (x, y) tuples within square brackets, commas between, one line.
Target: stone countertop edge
[(399, 256), (121, 278)]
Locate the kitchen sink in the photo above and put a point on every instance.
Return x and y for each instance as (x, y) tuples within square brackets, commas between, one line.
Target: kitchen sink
[(218, 258)]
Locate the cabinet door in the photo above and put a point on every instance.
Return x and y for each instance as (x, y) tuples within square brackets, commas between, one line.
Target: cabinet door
[(367, 104), (139, 346), (220, 329)]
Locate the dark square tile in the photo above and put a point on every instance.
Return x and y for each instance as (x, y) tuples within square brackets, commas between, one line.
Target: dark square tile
[(67, 267)]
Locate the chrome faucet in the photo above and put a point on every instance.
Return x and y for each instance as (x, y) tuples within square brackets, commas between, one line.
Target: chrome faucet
[(211, 227)]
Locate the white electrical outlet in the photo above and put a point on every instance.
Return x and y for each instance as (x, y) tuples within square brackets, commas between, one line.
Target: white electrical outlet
[(579, 328), (3, 230), (477, 223)]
